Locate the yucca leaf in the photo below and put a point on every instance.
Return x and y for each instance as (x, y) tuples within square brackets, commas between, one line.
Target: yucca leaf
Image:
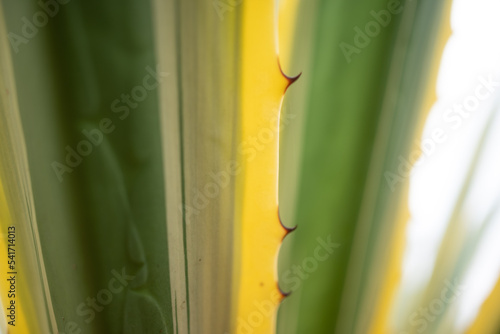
[(360, 118), (119, 201), (198, 44), (102, 215), (25, 297)]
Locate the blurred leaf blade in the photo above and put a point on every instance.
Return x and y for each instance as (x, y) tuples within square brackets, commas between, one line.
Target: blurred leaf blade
[(28, 293), (105, 208)]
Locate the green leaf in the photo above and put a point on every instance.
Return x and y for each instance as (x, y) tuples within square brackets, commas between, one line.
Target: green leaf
[(360, 114)]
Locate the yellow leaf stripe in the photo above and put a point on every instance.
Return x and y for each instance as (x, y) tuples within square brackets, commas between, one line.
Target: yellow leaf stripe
[(263, 87)]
